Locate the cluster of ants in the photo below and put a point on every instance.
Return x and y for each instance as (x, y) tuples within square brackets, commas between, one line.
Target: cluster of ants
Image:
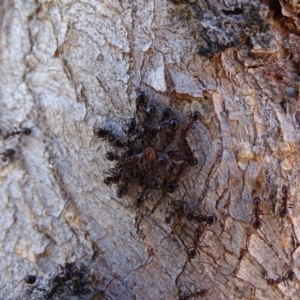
[(153, 154), (74, 280)]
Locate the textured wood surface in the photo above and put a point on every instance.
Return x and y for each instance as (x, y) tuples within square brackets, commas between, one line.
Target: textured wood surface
[(67, 66)]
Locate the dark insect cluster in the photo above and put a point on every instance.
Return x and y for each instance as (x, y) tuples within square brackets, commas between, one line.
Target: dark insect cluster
[(152, 154)]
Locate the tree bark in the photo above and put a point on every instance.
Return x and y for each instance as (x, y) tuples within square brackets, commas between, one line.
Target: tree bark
[(68, 66)]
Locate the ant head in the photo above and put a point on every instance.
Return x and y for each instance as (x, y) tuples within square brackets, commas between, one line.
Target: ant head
[(121, 191), (131, 123), (183, 205), (167, 112), (284, 213), (211, 219), (110, 155), (291, 275), (100, 132), (195, 115), (257, 223), (192, 253), (173, 124), (284, 189), (150, 110), (141, 97), (155, 185), (256, 201), (193, 161), (26, 131)]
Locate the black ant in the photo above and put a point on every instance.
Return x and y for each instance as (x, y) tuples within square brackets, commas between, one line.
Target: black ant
[(177, 156), (141, 100), (149, 111), (166, 114), (23, 130), (171, 186), (197, 234), (170, 135), (208, 219), (177, 213), (256, 222), (68, 270), (193, 118), (131, 126), (7, 155), (111, 156), (290, 275), (286, 196), (122, 190), (106, 134)]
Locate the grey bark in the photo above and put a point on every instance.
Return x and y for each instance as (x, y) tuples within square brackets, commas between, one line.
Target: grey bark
[(67, 66)]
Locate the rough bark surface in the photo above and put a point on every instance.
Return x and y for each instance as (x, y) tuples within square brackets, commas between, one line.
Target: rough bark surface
[(67, 66)]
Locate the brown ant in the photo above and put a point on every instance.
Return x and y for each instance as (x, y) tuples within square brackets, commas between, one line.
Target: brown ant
[(23, 130), (290, 275), (284, 207), (7, 155), (148, 154), (197, 293), (256, 221)]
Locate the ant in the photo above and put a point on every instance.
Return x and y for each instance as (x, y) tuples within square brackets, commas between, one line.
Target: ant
[(284, 207), (105, 134), (197, 234), (170, 135), (167, 112), (193, 118), (131, 126), (111, 156), (122, 190), (7, 155), (141, 100), (172, 186), (148, 154), (142, 195), (290, 275), (68, 270), (23, 130), (198, 293), (191, 160), (208, 219), (256, 221), (177, 213)]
